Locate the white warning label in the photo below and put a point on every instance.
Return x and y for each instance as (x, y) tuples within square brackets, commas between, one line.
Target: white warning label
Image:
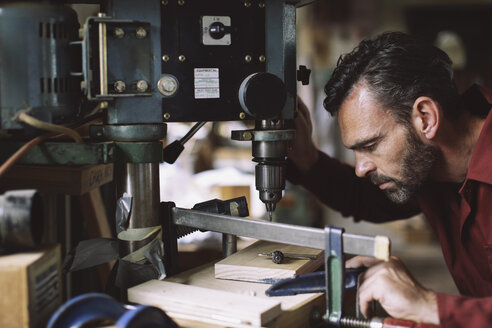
[(207, 93), (207, 83)]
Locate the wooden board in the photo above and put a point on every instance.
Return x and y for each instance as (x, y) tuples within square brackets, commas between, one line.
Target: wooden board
[(179, 300), (246, 265), (295, 310), (72, 180)]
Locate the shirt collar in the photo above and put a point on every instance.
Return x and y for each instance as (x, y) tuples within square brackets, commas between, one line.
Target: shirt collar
[(480, 167)]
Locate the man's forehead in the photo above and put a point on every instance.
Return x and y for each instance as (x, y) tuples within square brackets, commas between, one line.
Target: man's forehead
[(361, 116)]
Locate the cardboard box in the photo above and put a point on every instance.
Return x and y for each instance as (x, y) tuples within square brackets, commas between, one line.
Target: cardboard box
[(31, 287)]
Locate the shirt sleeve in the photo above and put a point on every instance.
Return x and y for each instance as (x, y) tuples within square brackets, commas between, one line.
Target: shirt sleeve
[(336, 185), (456, 311)]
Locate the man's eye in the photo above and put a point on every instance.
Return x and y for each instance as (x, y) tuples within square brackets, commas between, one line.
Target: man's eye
[(369, 147)]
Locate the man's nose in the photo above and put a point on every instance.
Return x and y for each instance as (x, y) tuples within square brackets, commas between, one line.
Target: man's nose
[(363, 165)]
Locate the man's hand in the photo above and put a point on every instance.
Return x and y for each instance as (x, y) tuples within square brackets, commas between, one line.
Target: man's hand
[(303, 152), (391, 284)]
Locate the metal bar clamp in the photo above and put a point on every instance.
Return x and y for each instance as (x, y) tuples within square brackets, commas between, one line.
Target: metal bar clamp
[(334, 269)]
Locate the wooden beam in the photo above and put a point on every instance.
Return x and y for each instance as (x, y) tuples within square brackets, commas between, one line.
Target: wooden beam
[(71, 180)]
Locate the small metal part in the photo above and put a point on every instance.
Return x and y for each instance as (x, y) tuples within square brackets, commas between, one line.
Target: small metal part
[(262, 58), (303, 74), (140, 33), (181, 2), (142, 86), (242, 115), (351, 322), (247, 58), (168, 85), (247, 135), (270, 215), (278, 256), (164, 2), (167, 116), (261, 5), (165, 58), (247, 4), (118, 32), (119, 86), (229, 244), (181, 58)]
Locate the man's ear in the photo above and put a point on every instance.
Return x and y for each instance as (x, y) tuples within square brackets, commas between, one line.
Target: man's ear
[(426, 117)]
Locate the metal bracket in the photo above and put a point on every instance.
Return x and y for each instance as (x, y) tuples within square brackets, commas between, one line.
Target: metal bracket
[(263, 135), (335, 273), (102, 22)]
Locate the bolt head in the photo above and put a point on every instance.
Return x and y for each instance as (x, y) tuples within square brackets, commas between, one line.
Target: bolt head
[(242, 115), (142, 86), (119, 86), (247, 136), (167, 85), (181, 2), (181, 58), (167, 116), (247, 4), (247, 58), (140, 33), (262, 58), (165, 58), (118, 32)]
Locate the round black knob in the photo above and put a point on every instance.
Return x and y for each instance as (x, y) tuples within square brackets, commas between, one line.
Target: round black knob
[(217, 30), (262, 95)]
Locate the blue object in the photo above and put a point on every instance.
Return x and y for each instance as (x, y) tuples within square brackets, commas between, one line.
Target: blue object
[(94, 307), (313, 282)]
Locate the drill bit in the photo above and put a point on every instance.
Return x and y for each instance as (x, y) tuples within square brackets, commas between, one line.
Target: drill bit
[(270, 207)]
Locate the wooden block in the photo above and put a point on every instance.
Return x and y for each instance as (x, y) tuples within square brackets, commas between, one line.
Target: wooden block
[(246, 265), (30, 285), (179, 300), (296, 309), (72, 180)]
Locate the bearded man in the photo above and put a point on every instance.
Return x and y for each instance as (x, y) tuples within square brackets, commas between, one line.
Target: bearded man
[(419, 147)]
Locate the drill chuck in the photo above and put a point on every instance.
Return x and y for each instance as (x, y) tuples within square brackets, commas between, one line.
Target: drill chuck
[(270, 182)]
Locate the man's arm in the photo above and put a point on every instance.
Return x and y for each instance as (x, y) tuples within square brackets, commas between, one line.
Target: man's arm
[(335, 183)]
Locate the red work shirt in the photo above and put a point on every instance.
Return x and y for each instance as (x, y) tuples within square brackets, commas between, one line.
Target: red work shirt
[(461, 217)]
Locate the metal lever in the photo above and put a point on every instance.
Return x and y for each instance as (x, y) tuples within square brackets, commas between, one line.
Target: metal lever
[(172, 151)]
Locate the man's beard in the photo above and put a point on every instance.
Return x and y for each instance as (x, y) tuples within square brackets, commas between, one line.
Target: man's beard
[(417, 162)]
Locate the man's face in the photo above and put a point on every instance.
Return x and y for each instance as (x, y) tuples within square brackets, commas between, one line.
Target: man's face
[(389, 153)]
